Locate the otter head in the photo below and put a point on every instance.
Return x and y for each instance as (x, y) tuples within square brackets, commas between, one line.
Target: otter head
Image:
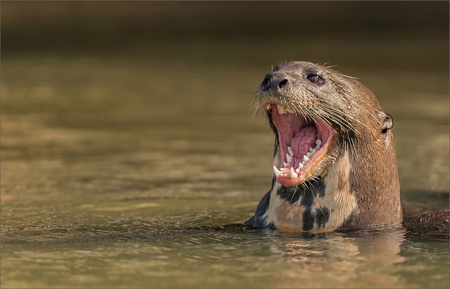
[(332, 136)]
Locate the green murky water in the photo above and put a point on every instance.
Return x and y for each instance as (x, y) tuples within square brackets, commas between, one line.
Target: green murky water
[(136, 169)]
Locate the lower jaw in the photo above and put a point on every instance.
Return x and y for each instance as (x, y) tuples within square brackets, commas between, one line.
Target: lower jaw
[(294, 181), (286, 181), (309, 171), (289, 182)]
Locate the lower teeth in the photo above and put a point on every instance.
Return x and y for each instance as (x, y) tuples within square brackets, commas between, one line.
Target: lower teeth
[(293, 174)]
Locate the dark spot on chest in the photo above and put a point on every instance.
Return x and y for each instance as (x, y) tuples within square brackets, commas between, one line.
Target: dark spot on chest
[(308, 219), (307, 191), (322, 216)]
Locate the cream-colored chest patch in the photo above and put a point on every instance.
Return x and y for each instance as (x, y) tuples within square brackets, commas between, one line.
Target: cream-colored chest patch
[(321, 207)]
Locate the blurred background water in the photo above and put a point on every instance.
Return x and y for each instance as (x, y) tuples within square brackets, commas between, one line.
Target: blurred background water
[(130, 155)]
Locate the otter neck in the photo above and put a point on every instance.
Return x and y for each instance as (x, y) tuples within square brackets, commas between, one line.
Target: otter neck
[(379, 202), (342, 197), (323, 204)]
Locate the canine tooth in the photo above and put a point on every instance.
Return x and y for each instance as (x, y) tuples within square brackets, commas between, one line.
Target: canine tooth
[(305, 159), (276, 171), (290, 151), (292, 174), (281, 109), (288, 158), (268, 107), (300, 165), (318, 142)]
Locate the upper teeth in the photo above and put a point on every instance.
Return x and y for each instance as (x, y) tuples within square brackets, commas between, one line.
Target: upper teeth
[(288, 170), (284, 110)]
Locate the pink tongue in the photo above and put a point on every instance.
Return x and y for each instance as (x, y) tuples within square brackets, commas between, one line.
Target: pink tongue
[(303, 140)]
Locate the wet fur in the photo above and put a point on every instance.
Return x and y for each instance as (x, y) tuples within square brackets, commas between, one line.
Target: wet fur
[(359, 173)]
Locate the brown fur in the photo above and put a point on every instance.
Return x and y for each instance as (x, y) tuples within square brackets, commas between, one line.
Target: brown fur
[(362, 187)]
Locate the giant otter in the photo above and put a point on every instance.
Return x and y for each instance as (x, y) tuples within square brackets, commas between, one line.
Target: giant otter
[(335, 166)]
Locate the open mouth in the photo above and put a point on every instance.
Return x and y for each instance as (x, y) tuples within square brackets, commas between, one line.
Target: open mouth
[(304, 143)]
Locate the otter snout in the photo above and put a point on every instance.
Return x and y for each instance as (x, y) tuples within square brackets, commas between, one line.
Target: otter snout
[(274, 81)]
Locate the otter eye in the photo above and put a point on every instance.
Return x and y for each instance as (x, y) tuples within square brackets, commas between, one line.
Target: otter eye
[(314, 78)]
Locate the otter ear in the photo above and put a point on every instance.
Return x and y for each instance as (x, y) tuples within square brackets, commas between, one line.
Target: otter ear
[(387, 121)]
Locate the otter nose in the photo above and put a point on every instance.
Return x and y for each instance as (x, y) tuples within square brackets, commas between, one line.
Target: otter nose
[(275, 81)]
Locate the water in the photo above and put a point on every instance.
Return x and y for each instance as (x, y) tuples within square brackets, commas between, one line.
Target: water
[(132, 169), (131, 180)]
